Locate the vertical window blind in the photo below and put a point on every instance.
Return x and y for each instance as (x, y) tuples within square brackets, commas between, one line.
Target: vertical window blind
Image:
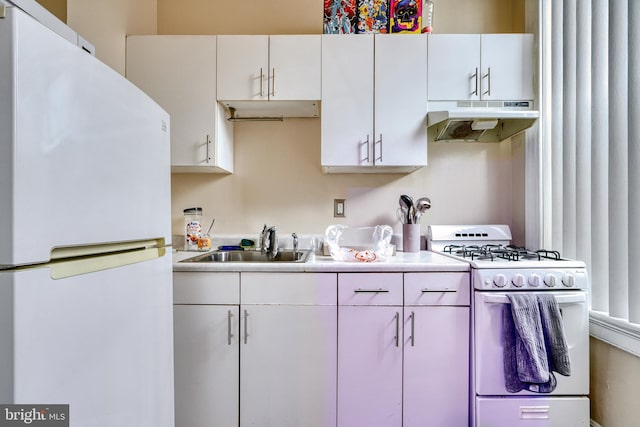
[(593, 47)]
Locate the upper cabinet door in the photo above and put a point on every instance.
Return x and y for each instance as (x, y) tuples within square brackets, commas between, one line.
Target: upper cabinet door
[(454, 67), (480, 67), (179, 73), (347, 100), (261, 68), (400, 100), (295, 67), (243, 67), (507, 66)]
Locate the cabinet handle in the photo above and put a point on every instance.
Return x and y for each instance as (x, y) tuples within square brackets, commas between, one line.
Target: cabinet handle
[(366, 159), (229, 333), (273, 84), (371, 291), (475, 76), (413, 316), (208, 149), (375, 159), (397, 337), (488, 76), (261, 82), (427, 290), (246, 330)]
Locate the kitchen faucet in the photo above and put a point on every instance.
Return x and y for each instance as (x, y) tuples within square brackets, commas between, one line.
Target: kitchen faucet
[(295, 243), (269, 240)]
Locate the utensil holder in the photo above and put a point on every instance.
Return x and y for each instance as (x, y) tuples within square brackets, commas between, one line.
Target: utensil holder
[(411, 237)]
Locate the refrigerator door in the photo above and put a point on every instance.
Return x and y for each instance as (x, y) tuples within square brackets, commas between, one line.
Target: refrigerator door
[(84, 154), (100, 342)]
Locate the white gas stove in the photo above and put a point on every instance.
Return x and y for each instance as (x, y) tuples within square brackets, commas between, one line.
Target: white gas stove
[(500, 272), (499, 265)]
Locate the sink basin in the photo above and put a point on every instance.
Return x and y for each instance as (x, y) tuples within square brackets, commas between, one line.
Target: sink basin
[(250, 256)]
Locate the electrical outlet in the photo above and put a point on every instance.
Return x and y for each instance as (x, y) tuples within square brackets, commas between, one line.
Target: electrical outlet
[(338, 208)]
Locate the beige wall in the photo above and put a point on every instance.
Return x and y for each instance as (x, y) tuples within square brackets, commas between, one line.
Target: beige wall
[(615, 386), (277, 178), (106, 23), (57, 7), (305, 16)]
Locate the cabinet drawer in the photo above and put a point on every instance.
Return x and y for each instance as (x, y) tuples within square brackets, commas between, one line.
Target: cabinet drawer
[(206, 288), (370, 289), (289, 288), (436, 288)]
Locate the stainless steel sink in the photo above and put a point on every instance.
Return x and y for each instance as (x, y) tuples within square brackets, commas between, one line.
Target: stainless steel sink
[(251, 256)]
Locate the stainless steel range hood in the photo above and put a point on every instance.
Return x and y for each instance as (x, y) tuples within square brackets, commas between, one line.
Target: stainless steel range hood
[(479, 121)]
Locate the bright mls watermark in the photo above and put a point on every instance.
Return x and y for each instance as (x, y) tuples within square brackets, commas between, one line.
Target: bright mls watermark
[(34, 415)]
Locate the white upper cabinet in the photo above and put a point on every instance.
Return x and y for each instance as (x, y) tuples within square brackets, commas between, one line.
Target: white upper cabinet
[(261, 68), (374, 102), (480, 67), (295, 67), (179, 73)]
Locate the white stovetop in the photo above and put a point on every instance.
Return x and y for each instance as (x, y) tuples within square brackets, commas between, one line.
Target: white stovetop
[(503, 264)]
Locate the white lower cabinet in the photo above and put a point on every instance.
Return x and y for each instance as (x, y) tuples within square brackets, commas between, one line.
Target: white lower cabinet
[(268, 362), (436, 349), (369, 349), (287, 366), (206, 349), (288, 350), (369, 366), (322, 349), (436, 366), (206, 365), (400, 364)]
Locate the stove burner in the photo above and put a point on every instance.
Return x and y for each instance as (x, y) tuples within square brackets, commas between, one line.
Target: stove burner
[(510, 252)]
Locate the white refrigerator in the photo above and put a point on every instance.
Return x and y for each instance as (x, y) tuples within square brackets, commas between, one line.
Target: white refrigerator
[(85, 268)]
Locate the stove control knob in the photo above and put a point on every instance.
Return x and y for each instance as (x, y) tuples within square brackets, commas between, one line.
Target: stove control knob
[(569, 280), (500, 281), (550, 280), (518, 280), (534, 280)]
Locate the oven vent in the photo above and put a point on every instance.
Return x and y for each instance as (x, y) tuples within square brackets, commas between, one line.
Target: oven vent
[(439, 236)]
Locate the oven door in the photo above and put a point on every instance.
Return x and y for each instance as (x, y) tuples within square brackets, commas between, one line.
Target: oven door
[(488, 344)]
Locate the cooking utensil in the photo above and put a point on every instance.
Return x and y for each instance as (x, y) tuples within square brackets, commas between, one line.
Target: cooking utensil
[(211, 226), (422, 205), (406, 204)]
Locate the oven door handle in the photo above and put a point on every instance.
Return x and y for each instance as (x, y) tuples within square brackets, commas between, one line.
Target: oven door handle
[(562, 299)]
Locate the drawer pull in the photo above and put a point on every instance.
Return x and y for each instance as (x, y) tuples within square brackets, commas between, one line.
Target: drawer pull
[(534, 412), (371, 291), (427, 290)]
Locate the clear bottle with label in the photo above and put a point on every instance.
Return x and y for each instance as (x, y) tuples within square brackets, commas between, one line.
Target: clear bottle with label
[(193, 227)]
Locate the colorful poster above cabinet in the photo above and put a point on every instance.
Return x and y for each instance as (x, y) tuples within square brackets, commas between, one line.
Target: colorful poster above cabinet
[(373, 16), (339, 16), (406, 16)]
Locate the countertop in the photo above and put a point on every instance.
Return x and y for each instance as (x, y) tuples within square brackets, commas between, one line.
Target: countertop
[(425, 261)]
